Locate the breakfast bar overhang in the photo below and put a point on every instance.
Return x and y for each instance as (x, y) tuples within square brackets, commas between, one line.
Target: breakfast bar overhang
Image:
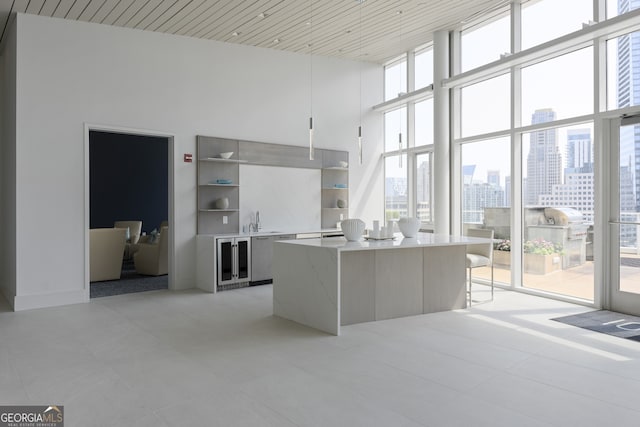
[(328, 283)]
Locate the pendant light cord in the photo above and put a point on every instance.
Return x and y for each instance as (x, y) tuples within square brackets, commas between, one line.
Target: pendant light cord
[(311, 58)]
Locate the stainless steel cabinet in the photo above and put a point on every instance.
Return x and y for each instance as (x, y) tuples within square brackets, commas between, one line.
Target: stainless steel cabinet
[(234, 260), (262, 255)]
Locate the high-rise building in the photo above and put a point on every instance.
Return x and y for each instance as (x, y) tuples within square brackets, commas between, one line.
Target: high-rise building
[(478, 196), (493, 177), (576, 192), (507, 190), (627, 92), (423, 196), (544, 161), (579, 151)]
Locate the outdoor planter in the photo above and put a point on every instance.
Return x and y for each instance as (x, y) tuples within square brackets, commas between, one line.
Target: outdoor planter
[(502, 258), (542, 264), (533, 263)]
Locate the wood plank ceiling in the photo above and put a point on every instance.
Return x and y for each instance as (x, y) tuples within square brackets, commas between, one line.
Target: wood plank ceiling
[(373, 30)]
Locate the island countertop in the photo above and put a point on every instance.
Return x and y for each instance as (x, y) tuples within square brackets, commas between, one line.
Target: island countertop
[(420, 241), (328, 283)]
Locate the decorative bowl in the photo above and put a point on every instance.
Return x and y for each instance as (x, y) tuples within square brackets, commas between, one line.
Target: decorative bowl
[(226, 155), (343, 164), (409, 226), (352, 229)]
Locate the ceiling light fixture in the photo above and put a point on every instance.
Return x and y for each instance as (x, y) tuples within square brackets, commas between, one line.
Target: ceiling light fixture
[(262, 15), (276, 41), (235, 34)]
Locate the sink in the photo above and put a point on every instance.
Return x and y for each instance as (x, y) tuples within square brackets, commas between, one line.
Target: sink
[(252, 233)]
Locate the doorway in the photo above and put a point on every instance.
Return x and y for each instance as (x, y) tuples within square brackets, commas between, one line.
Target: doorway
[(624, 217), (129, 185)]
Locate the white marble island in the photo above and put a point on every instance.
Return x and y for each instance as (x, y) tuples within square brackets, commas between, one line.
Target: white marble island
[(326, 283)]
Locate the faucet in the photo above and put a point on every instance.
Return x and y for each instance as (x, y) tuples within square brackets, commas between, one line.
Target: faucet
[(255, 226)]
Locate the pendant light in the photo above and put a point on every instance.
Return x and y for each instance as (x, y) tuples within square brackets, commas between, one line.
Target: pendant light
[(400, 111), (400, 148), (360, 81), (311, 149)]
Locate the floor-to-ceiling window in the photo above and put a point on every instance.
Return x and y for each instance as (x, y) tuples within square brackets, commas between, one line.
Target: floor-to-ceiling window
[(408, 136), (558, 200), (534, 86), (526, 118)]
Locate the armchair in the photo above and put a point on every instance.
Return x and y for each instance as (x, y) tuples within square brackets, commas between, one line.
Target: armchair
[(151, 259), (106, 247)]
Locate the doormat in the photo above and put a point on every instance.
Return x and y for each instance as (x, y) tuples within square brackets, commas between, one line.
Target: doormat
[(607, 322)]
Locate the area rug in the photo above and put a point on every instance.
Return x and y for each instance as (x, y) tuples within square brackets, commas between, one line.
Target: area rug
[(607, 322), (129, 282)]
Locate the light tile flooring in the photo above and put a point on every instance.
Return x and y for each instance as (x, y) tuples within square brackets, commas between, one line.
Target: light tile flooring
[(194, 359)]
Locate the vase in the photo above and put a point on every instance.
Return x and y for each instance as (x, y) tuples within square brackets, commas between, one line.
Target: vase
[(352, 229), (409, 227), (222, 203), (341, 204)]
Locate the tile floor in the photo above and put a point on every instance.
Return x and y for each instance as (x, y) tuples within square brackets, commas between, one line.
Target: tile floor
[(194, 359)]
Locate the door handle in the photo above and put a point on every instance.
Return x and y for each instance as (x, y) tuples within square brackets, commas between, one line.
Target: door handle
[(234, 256)]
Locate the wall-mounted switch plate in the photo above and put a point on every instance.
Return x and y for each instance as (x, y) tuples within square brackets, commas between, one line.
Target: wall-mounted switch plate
[(225, 219)]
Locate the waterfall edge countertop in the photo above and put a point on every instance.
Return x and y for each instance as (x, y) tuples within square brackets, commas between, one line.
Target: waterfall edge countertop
[(328, 283), (421, 240)]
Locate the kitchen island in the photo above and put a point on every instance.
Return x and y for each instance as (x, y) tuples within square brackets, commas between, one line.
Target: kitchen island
[(328, 283)]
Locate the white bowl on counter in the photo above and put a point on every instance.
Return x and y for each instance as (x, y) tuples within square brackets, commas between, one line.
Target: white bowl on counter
[(409, 226), (352, 229)]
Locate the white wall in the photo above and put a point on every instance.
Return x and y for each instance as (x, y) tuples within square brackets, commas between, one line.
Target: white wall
[(7, 165), (72, 73)]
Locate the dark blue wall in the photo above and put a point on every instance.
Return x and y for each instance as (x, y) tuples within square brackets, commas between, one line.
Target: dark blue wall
[(129, 179)]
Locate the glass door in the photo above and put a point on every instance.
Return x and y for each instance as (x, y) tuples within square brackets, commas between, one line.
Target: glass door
[(625, 217)]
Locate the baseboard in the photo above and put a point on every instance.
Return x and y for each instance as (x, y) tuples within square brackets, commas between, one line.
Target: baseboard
[(29, 302)]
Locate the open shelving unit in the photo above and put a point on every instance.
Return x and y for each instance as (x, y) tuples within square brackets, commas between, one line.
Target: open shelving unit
[(333, 164), (210, 169), (335, 186)]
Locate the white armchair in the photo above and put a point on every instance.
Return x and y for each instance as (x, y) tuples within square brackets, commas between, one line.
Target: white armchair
[(152, 258), (106, 247)]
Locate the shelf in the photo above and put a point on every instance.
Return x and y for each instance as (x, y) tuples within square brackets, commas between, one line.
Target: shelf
[(220, 185), (221, 160), (334, 188), (337, 209), (336, 168), (219, 210)]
